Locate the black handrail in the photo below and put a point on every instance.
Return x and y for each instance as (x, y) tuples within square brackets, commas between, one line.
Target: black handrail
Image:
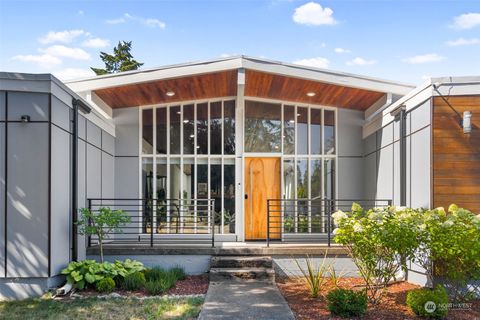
[(305, 218)]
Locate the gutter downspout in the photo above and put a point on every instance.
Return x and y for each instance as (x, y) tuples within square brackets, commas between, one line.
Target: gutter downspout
[(77, 104)]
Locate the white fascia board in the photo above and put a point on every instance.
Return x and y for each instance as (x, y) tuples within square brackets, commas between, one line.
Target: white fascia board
[(169, 72), (327, 76), (456, 86)]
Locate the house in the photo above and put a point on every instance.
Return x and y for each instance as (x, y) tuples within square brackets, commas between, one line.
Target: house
[(226, 151)]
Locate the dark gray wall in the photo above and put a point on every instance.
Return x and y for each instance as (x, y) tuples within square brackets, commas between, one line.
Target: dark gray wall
[(2, 197)]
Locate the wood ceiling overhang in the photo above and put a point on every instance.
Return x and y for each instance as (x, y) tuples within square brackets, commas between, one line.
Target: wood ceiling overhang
[(224, 84)]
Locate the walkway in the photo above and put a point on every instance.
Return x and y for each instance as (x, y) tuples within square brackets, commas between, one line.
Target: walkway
[(237, 299)]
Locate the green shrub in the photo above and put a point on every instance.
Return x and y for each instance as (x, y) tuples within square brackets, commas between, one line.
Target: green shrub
[(154, 274), (106, 285), (134, 281), (168, 280), (179, 273), (417, 301), (155, 287), (347, 303)]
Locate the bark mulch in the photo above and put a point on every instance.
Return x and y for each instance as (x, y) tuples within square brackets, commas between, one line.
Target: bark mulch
[(393, 305), (191, 285)]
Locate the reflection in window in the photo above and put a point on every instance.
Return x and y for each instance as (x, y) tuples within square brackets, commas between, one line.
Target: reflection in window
[(316, 178), (161, 131), (289, 193), (175, 176), (229, 127), (175, 130), (329, 172), (147, 131), (188, 129), (216, 128), (302, 178), (147, 193), (316, 131), (302, 130), (202, 181), (202, 128), (289, 129), (329, 132), (229, 198), (262, 127), (216, 192), (161, 209)]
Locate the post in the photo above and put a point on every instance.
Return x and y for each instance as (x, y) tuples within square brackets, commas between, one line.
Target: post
[(328, 221), (268, 222), (211, 206), (151, 223), (89, 222)]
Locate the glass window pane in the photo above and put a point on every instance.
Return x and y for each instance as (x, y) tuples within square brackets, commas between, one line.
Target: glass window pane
[(262, 127), (161, 209), (175, 176), (289, 193), (202, 128), (229, 127), (216, 192), (215, 128), (229, 199), (316, 131), (288, 129), (187, 175), (147, 131), (202, 181), (302, 130), (316, 178), (329, 172), (329, 132), (302, 178), (175, 130), (147, 193), (188, 129), (161, 130)]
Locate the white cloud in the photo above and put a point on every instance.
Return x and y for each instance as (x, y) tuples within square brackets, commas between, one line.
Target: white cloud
[(466, 21), (342, 50), (96, 43), (73, 73), (42, 60), (150, 22), (312, 13), (65, 36), (66, 52), (318, 62), (424, 58), (360, 62), (463, 42)]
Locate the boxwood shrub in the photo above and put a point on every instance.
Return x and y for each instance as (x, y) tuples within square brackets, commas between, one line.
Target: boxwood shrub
[(134, 281), (347, 303), (105, 285), (429, 303)]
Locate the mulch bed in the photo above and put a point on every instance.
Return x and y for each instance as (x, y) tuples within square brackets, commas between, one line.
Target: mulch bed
[(191, 285), (393, 305)]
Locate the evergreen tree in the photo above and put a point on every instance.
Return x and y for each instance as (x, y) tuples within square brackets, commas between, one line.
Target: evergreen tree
[(121, 60)]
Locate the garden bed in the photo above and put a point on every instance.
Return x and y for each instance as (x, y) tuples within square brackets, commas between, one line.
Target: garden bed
[(392, 306)]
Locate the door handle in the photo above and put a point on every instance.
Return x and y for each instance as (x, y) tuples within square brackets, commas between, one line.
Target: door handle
[(246, 196)]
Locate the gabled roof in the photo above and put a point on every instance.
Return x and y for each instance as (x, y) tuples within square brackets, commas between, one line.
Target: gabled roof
[(240, 62)]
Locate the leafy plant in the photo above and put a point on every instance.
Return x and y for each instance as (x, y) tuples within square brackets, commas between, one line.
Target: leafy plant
[(178, 273), (334, 275), (154, 274), (154, 287), (134, 281), (106, 285), (347, 303), (428, 303), (313, 276), (121, 60), (168, 281), (102, 223)]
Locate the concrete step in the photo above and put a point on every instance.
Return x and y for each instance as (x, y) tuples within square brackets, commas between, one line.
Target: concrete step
[(241, 262), (263, 274)]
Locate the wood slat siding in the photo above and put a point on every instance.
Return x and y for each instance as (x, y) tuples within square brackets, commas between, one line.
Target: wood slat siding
[(456, 156), (274, 86), (198, 87)]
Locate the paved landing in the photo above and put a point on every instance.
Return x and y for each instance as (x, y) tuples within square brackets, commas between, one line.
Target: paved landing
[(237, 299)]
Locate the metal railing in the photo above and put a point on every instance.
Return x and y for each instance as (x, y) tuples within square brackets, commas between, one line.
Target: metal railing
[(167, 221), (308, 220)]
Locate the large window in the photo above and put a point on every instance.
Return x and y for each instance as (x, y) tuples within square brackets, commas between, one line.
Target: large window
[(263, 127), (192, 156)]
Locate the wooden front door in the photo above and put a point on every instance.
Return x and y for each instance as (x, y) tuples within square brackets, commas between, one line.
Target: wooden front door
[(262, 182)]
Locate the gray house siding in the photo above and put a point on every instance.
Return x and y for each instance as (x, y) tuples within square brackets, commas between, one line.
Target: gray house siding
[(2, 197)]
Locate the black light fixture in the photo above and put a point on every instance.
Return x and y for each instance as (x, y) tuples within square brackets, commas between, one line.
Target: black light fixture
[(465, 120), (25, 118)]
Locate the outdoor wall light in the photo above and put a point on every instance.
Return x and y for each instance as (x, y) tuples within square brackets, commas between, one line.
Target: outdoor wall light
[(170, 93), (311, 94), (467, 122), (25, 118), (185, 121)]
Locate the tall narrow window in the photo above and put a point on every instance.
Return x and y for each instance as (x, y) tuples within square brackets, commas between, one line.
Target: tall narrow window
[(147, 131), (202, 180), (161, 212), (329, 172), (329, 132), (216, 128), (289, 193), (263, 127), (202, 128), (175, 177), (161, 130), (289, 129), (188, 129), (216, 192), (302, 130), (302, 178), (175, 130), (229, 198), (316, 131), (148, 194), (229, 127)]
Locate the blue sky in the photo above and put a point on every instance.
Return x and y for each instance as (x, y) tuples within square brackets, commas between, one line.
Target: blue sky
[(399, 40)]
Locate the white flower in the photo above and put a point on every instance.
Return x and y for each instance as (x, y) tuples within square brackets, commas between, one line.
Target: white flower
[(357, 227), (335, 231), (376, 215), (447, 224), (423, 226), (338, 217)]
